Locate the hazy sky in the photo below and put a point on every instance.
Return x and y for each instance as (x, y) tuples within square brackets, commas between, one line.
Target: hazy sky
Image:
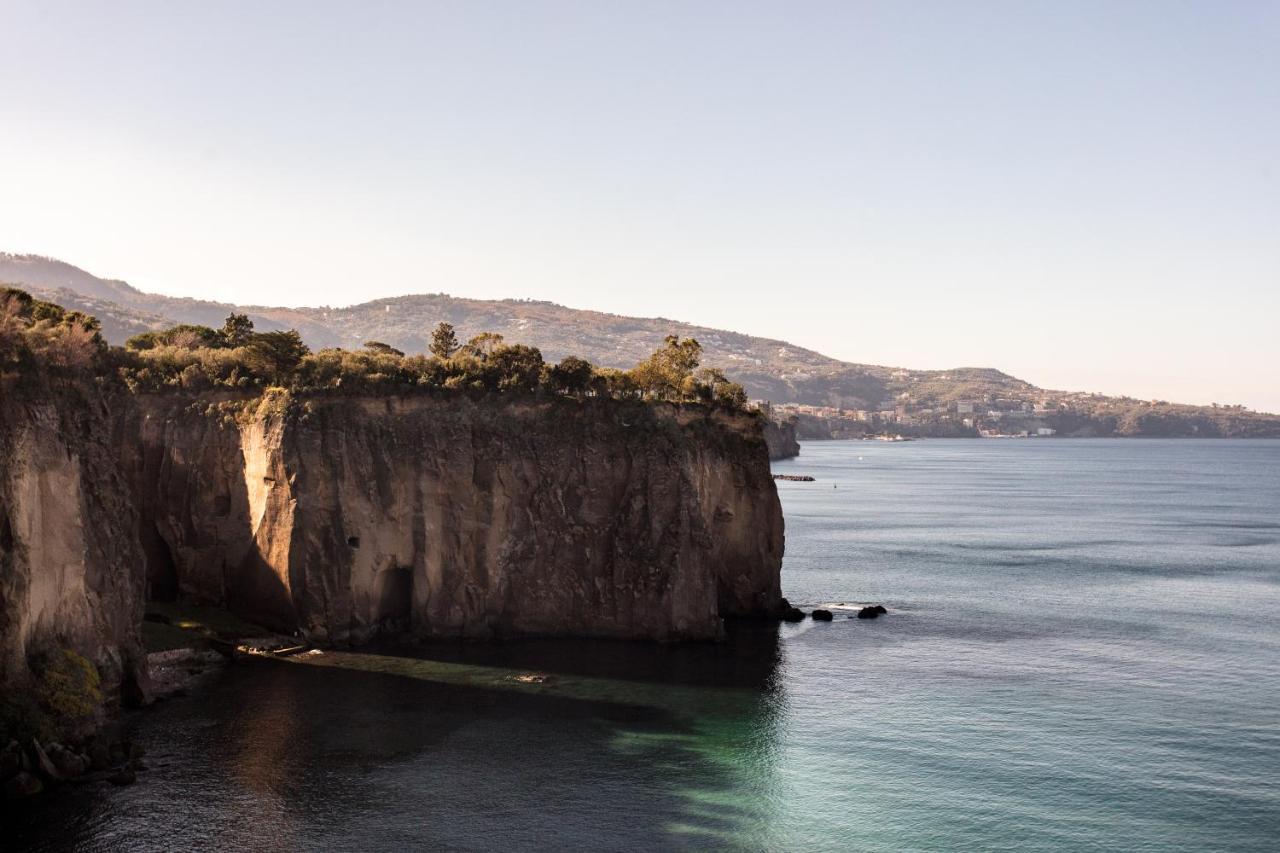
[(1086, 195)]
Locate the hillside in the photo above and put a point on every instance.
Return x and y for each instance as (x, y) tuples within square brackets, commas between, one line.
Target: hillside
[(857, 398), (769, 369)]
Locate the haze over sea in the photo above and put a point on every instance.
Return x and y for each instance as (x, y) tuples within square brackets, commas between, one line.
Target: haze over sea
[(1082, 652)]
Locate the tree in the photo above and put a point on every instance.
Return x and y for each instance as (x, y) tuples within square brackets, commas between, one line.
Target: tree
[(444, 341), (237, 331), (731, 395), (382, 349), (516, 367), (184, 335), (482, 345), (666, 375), (572, 375), (276, 354), (611, 382)]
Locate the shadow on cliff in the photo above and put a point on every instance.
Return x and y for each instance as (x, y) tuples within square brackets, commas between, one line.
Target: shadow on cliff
[(191, 482), (278, 755)]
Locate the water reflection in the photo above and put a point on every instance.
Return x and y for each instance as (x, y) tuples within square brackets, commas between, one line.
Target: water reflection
[(622, 746)]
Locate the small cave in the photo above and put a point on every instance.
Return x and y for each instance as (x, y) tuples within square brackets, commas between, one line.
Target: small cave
[(353, 541), (162, 570), (393, 592), (6, 531)]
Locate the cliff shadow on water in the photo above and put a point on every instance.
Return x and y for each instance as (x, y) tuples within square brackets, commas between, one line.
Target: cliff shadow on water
[(351, 750)]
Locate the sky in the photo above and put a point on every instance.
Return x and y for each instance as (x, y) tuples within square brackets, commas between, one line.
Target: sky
[(1085, 195)]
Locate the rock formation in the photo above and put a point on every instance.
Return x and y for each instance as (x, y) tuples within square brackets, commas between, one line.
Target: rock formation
[(347, 517), (69, 563), (780, 436)]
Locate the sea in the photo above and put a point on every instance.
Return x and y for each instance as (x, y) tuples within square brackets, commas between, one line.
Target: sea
[(1081, 652)]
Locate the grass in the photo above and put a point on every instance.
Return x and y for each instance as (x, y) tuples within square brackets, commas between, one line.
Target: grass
[(192, 625)]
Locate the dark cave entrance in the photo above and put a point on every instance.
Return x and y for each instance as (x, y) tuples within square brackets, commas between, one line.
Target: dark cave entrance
[(393, 591), (162, 571)]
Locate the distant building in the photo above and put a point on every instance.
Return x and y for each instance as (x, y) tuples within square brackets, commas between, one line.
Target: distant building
[(964, 407), (1046, 431)]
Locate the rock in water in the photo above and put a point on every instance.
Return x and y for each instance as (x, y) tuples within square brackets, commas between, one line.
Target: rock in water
[(43, 765), (793, 614), (871, 612), (22, 785), (69, 764), (822, 616), (123, 776)]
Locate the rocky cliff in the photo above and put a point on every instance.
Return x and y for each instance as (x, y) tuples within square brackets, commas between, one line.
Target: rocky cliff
[(70, 574), (444, 516), (780, 437)]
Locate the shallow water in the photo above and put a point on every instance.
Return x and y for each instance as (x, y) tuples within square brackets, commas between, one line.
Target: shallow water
[(1083, 652)]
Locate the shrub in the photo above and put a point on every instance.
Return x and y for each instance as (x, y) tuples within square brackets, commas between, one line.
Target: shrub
[(66, 696), (36, 334), (69, 686)]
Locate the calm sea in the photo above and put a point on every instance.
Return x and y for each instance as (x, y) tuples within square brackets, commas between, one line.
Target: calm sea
[(1082, 653)]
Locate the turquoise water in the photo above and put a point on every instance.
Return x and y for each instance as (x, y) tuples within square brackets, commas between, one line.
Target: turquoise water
[(1082, 652)]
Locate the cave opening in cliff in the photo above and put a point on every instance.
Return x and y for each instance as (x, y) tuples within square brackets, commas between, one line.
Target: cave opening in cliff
[(6, 531), (393, 591), (162, 570)]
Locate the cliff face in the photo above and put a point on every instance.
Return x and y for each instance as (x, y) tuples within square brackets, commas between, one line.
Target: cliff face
[(780, 436), (70, 569), (346, 517)]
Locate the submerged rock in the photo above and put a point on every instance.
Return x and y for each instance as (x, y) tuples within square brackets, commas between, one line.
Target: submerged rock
[(822, 616)]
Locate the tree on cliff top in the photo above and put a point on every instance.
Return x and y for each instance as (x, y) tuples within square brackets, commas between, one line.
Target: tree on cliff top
[(380, 347), (666, 374), (482, 345), (572, 375), (237, 330), (444, 341)]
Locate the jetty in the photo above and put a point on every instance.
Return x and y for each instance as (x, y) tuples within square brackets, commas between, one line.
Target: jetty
[(798, 478)]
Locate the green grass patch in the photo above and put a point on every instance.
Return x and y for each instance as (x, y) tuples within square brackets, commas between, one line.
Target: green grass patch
[(191, 625)]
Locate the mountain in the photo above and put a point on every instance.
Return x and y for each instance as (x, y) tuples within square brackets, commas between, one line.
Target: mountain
[(854, 398)]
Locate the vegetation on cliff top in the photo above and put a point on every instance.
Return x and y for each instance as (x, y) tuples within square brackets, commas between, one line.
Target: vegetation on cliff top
[(235, 356)]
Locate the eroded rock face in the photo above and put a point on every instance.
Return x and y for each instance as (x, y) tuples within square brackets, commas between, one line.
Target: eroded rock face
[(350, 517), (346, 517), (780, 436), (70, 567)]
